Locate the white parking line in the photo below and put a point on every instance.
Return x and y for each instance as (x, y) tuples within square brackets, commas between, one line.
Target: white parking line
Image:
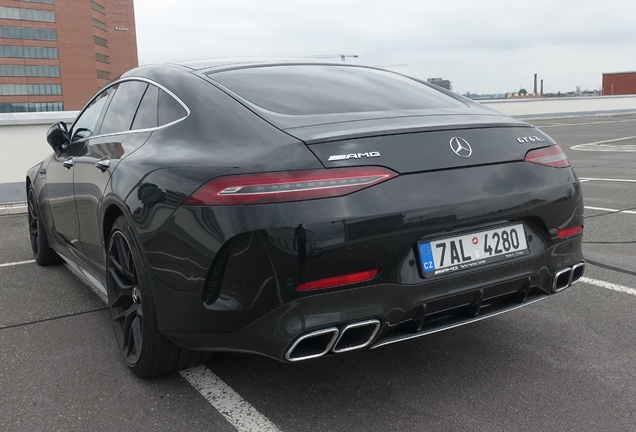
[(607, 180), (243, 416), (610, 210), (17, 263), (587, 123), (609, 285), (598, 146)]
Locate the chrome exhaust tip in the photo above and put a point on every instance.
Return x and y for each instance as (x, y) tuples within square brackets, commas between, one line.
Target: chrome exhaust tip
[(577, 272), (357, 335), (562, 280), (312, 345)]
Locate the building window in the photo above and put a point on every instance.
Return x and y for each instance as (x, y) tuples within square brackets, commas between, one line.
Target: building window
[(29, 71), (28, 52), (100, 41), (30, 89), (39, 1), (14, 107), (99, 25), (99, 8), (27, 14), (103, 74), (102, 58), (27, 33)]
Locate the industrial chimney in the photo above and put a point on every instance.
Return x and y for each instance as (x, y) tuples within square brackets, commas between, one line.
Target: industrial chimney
[(535, 84)]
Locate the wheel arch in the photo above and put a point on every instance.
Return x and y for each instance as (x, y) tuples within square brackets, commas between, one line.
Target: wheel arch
[(34, 177), (31, 176), (112, 212), (113, 209)]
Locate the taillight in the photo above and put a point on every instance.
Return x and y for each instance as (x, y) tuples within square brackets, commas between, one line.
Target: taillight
[(551, 156), (567, 232), (335, 281), (287, 186)]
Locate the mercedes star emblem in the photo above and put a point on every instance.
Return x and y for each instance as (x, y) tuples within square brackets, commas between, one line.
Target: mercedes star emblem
[(461, 147)]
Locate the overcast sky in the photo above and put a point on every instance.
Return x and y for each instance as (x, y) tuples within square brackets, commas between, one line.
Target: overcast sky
[(490, 46)]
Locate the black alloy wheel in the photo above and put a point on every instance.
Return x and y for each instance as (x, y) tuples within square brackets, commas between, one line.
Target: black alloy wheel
[(125, 298), (42, 253), (147, 352)]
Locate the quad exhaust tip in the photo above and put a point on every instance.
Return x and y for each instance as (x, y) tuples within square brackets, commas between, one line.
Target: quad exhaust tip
[(318, 343), (356, 336), (567, 277), (312, 345), (577, 272)]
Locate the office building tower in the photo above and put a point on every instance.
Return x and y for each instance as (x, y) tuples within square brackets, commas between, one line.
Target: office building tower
[(55, 54)]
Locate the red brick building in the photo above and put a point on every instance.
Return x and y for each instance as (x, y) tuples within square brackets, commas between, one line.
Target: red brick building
[(619, 83), (55, 54)]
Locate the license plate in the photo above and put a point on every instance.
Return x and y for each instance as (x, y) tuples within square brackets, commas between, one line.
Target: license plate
[(472, 250)]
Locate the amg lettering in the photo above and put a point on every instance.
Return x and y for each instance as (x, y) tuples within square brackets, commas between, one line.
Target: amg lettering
[(446, 270), (354, 156)]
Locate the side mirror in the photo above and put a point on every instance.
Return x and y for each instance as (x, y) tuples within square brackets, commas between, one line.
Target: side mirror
[(58, 137)]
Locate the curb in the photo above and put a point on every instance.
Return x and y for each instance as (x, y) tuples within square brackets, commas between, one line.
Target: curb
[(13, 208)]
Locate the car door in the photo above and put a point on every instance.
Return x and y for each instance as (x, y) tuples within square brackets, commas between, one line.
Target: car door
[(93, 169), (60, 172)]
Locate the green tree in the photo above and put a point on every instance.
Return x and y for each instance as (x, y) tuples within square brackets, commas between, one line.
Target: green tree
[(523, 92)]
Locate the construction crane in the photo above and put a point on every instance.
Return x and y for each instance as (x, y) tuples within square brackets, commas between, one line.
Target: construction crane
[(341, 56)]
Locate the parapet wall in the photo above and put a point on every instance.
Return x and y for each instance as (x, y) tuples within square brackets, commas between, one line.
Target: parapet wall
[(559, 107), (23, 144)]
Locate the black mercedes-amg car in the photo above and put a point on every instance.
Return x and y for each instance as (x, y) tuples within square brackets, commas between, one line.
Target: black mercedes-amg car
[(298, 209)]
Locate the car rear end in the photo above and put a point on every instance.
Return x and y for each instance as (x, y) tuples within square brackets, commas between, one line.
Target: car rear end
[(418, 221)]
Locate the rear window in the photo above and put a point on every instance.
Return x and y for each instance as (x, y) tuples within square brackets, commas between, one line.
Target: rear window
[(310, 89), (123, 106)]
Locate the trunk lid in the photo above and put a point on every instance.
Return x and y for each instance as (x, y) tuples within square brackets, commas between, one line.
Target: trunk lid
[(428, 150)]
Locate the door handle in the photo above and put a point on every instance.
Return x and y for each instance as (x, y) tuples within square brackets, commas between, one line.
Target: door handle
[(102, 164), (68, 163)]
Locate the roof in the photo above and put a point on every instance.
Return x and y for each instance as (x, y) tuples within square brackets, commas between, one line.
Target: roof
[(249, 61), (618, 73)]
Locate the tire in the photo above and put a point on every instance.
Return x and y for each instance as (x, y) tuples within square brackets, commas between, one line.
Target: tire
[(146, 351), (43, 254)]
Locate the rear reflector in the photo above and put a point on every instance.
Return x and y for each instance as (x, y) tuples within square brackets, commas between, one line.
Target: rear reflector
[(287, 186), (338, 280), (550, 156), (567, 232)]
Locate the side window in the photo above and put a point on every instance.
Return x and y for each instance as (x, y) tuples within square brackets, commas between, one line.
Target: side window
[(146, 116), (85, 125), (169, 109), (122, 108)]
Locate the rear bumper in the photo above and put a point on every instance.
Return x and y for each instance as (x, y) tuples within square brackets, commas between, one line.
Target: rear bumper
[(403, 311)]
